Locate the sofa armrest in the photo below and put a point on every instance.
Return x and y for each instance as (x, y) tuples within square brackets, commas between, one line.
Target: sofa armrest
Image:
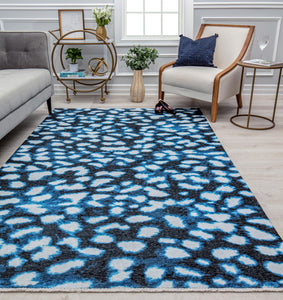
[(22, 50)]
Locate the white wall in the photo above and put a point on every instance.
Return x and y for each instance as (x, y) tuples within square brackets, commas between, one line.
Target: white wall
[(266, 15)]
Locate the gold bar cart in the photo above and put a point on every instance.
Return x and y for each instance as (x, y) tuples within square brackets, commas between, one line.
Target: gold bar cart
[(93, 82)]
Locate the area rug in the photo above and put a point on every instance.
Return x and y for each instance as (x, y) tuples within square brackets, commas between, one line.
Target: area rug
[(123, 199)]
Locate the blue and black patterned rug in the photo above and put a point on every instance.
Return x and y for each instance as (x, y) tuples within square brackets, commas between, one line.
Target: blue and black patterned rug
[(124, 198)]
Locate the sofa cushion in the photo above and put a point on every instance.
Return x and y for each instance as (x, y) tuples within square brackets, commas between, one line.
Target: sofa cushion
[(19, 85), (22, 50), (191, 77)]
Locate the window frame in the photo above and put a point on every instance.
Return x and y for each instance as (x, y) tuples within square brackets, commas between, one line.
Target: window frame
[(123, 39)]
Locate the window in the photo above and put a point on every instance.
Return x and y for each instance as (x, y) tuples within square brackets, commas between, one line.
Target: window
[(149, 19)]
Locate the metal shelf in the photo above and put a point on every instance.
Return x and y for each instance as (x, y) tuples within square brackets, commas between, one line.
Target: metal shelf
[(93, 82)]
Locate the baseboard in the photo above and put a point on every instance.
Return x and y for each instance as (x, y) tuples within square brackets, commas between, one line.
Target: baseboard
[(114, 89), (152, 89)]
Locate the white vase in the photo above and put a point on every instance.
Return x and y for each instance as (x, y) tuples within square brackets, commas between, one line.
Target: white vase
[(74, 67), (137, 91)]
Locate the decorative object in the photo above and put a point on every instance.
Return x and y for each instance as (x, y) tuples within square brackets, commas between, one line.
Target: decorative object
[(211, 84), (74, 54), (236, 120), (101, 33), (137, 90), (71, 20), (127, 199), (196, 53), (98, 66), (102, 18), (139, 58), (263, 41)]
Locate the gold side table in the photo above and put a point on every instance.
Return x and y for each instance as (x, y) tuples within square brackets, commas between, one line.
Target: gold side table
[(249, 114)]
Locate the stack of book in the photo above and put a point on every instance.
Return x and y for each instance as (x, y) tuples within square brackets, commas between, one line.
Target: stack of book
[(66, 74)]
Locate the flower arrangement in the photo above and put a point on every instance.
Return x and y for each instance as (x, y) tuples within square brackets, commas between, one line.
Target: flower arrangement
[(140, 58), (102, 15)]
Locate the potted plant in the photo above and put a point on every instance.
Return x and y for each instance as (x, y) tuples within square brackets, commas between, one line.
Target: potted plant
[(139, 58), (74, 54), (102, 18)]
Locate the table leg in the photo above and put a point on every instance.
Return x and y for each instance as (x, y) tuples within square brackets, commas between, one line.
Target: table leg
[(74, 87), (106, 90), (239, 96), (276, 97), (251, 98), (102, 96), (68, 99)]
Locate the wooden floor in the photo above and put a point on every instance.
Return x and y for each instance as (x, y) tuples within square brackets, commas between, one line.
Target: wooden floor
[(258, 156)]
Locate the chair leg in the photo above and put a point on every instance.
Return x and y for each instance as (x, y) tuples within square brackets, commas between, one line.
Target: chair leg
[(160, 94), (239, 100), (214, 109), (49, 106)]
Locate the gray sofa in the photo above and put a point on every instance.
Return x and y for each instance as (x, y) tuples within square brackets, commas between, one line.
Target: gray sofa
[(25, 76)]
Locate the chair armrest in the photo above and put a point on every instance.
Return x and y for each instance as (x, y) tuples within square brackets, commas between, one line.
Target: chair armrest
[(232, 72), (161, 69)]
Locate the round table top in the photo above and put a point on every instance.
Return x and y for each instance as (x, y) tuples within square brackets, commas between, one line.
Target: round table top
[(254, 64)]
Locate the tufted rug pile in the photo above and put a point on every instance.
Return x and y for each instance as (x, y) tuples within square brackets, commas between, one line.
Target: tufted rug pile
[(125, 199)]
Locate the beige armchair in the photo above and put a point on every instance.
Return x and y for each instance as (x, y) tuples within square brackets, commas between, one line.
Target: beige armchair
[(207, 83)]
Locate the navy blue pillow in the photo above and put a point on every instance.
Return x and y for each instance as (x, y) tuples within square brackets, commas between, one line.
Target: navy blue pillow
[(196, 53)]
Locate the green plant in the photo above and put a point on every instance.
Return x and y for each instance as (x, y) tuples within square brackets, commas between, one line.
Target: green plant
[(74, 54), (140, 58), (102, 15)]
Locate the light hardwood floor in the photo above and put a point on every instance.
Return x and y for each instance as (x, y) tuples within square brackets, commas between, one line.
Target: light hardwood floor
[(258, 156)]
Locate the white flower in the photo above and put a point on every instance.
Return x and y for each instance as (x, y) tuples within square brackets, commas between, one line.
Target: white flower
[(102, 15)]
